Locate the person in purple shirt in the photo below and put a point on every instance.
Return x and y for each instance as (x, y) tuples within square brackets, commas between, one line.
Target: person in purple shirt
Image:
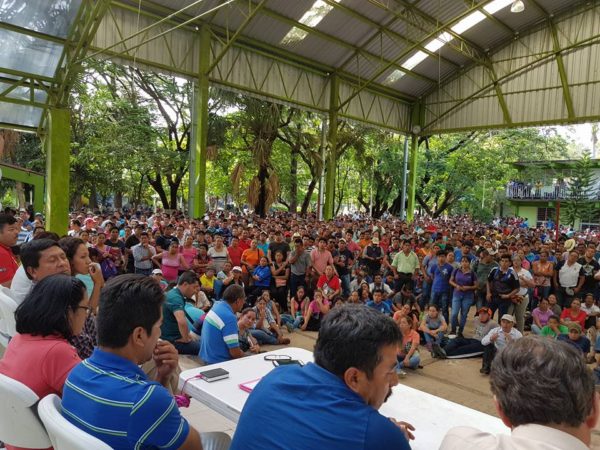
[(541, 315), (464, 282), (440, 287)]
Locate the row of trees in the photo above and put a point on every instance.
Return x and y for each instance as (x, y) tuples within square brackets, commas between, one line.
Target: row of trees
[(131, 133)]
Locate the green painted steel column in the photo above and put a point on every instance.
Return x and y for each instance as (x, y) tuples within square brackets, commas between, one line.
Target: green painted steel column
[(412, 177), (332, 143), (200, 130), (58, 154)]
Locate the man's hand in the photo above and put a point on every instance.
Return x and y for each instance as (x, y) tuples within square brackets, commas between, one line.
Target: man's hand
[(166, 359), (488, 297), (406, 361), (405, 427), (494, 338)]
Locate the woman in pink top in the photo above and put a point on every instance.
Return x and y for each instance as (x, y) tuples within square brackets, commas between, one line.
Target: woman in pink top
[(170, 262), (189, 252), (39, 355)]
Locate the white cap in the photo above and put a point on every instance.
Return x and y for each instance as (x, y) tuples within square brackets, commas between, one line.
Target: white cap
[(508, 317), (157, 272)]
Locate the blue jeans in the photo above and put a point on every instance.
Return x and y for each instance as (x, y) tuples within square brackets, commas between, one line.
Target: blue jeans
[(264, 337), (413, 362), (147, 272), (345, 279), (463, 304), (295, 322), (440, 299), (426, 294), (437, 340), (295, 282), (190, 348)]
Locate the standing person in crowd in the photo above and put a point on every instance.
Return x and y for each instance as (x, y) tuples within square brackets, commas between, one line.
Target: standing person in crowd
[(346, 385), (106, 257), (130, 242), (502, 285), (589, 268), (170, 262), (320, 259), (278, 244), (405, 265), (464, 282), (163, 242), (96, 400), (568, 279), (440, 286), (343, 259), (189, 252), (280, 273), (497, 339), (117, 249), (538, 417), (9, 233), (543, 269), (482, 268), (300, 267), (174, 327), (142, 254), (218, 254), (521, 299), (373, 256)]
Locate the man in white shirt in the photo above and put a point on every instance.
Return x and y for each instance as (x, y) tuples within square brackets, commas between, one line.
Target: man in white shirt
[(497, 339), (540, 418)]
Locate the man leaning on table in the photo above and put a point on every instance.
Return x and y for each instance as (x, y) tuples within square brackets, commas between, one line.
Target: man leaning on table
[(544, 393), (220, 339), (333, 402)]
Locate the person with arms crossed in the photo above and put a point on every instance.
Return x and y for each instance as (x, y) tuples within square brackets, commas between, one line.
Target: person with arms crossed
[(110, 397), (352, 376), (542, 413), (9, 232)]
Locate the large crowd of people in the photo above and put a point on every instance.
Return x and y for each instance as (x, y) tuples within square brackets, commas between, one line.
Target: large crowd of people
[(126, 292)]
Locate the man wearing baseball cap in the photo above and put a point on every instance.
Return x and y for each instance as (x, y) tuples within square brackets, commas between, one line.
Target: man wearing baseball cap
[(468, 348), (497, 339), (575, 338)]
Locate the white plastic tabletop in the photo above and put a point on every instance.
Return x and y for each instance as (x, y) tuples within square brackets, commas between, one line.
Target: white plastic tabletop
[(432, 416)]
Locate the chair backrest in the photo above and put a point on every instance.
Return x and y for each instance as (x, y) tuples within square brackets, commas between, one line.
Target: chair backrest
[(7, 318), (63, 434), (19, 423)]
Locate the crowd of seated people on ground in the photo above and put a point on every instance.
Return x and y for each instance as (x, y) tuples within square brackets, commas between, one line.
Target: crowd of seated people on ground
[(231, 284)]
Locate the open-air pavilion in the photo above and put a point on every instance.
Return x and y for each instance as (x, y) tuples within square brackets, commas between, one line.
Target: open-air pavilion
[(415, 67)]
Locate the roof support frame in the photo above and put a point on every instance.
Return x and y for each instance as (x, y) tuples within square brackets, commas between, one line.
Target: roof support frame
[(32, 33), (561, 70)]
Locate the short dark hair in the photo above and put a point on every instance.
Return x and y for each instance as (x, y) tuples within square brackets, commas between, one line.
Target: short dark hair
[(233, 292), (542, 381), (31, 251), (352, 336), (70, 245), (187, 277), (378, 291), (45, 309), (127, 302), (6, 219), (441, 253)]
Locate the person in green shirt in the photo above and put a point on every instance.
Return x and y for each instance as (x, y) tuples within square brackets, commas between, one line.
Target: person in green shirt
[(553, 328), (175, 327)]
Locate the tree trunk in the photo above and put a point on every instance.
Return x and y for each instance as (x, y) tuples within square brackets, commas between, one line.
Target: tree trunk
[(263, 176), (93, 199), (308, 196), (294, 181), (157, 185), (20, 194), (118, 200)]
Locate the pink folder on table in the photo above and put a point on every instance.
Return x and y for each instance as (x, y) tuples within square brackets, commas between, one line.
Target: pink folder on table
[(248, 386)]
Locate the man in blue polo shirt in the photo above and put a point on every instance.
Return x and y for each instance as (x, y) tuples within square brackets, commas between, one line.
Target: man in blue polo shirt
[(110, 397), (220, 339), (379, 304), (331, 404)]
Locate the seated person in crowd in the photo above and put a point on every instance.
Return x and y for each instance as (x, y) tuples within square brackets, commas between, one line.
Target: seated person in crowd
[(576, 338), (408, 351), (246, 321), (539, 417), (540, 316), (379, 304), (378, 283), (174, 328), (40, 355), (110, 397), (469, 347), (345, 386), (553, 305), (592, 311), (497, 339), (408, 311), (433, 327), (219, 340), (574, 314), (329, 283), (266, 330), (207, 282), (160, 279), (553, 328), (317, 309)]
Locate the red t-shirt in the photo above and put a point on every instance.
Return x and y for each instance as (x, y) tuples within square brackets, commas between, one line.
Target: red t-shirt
[(333, 283), (40, 363), (580, 319), (236, 255), (8, 264)]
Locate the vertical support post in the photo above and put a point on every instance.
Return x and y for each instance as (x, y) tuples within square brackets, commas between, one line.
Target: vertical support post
[(58, 153), (412, 177), (322, 175), (404, 177), (332, 140), (557, 234), (197, 190)]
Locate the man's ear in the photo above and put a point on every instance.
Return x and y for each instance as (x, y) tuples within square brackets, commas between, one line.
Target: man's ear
[(31, 272), (503, 417), (355, 379), (139, 336)]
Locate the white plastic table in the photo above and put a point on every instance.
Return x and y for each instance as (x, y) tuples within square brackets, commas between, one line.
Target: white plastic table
[(432, 416)]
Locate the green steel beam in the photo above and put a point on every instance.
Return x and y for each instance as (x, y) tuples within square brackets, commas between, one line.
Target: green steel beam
[(561, 70), (31, 33), (412, 177), (494, 19), (407, 52), (19, 73), (26, 176), (499, 94), (332, 146), (236, 35), (19, 127), (342, 43), (58, 153), (586, 42), (197, 189)]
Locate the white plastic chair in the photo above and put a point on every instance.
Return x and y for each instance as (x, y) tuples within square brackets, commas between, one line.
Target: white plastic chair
[(19, 423), (63, 434), (7, 318)]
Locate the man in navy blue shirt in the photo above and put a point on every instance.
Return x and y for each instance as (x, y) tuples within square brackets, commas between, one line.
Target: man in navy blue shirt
[(440, 288), (379, 304), (331, 404)]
